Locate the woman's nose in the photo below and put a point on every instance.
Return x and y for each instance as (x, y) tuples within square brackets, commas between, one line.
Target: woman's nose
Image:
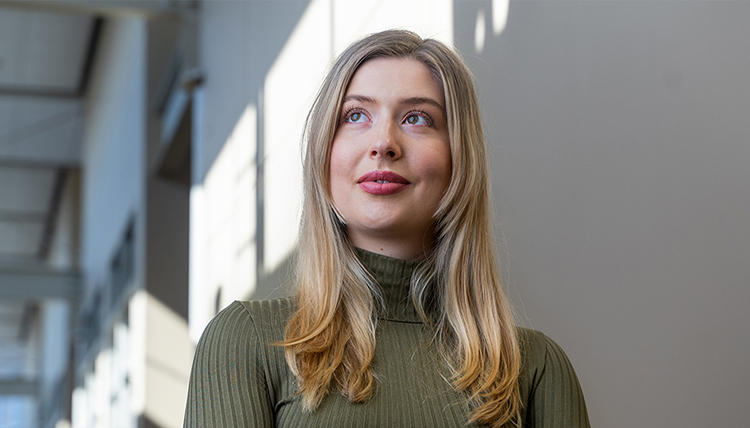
[(386, 143)]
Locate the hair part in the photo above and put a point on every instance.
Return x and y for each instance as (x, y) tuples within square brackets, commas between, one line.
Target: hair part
[(330, 337)]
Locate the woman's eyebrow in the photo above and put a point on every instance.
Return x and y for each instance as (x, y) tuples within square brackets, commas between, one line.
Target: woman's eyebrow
[(360, 98), (422, 100), (404, 101)]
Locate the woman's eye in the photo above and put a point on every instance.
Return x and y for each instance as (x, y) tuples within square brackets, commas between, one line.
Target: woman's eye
[(356, 117), (415, 119)]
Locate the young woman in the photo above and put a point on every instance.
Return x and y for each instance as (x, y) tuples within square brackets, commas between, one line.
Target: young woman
[(399, 318)]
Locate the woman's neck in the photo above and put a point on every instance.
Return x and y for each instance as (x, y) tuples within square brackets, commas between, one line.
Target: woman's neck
[(398, 247), (393, 277)]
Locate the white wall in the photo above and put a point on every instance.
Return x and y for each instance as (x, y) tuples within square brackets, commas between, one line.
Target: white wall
[(619, 134), (113, 150), (113, 192)]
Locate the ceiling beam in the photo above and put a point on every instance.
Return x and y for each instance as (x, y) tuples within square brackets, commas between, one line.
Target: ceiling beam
[(19, 387), (88, 60), (52, 212), (150, 9), (30, 313), (37, 92), (37, 284), (43, 164), (23, 91)]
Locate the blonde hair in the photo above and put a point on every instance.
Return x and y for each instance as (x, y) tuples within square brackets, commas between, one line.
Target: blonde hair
[(330, 338)]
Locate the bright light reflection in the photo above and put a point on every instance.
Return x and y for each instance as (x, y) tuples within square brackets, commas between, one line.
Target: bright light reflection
[(137, 346), (101, 392), (479, 32), (79, 408), (499, 15)]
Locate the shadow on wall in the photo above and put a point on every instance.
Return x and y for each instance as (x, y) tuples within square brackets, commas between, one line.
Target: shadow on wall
[(238, 65), (146, 422), (239, 44)]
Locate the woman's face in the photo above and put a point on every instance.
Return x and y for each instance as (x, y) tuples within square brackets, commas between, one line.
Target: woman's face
[(391, 160)]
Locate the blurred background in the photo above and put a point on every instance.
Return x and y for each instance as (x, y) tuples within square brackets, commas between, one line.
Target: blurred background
[(150, 175)]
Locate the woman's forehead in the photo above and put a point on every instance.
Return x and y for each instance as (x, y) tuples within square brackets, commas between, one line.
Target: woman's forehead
[(395, 78)]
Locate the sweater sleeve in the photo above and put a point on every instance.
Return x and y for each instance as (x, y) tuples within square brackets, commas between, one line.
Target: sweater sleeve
[(228, 385), (556, 399)]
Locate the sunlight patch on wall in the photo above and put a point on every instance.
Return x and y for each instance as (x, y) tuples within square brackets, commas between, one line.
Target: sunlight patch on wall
[(121, 393), (79, 408), (223, 222), (499, 22), (99, 389), (168, 360), (499, 15), (137, 350), (289, 90), (143, 371), (479, 31)]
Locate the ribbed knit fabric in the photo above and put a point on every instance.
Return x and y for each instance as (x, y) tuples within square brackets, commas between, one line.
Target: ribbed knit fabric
[(241, 379)]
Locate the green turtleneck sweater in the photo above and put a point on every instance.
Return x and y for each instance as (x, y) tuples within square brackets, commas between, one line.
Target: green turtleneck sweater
[(240, 379)]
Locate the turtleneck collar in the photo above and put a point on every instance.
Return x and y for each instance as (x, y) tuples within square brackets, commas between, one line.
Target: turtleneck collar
[(394, 278)]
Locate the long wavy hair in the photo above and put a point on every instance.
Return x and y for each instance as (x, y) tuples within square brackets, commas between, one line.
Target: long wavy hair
[(330, 338)]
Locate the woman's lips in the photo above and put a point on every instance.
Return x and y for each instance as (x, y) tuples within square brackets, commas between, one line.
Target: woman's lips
[(382, 182)]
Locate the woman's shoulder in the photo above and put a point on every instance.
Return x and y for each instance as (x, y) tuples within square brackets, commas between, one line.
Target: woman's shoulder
[(265, 319), (539, 352), (548, 384), (238, 365), (534, 345), (269, 316), (268, 312)]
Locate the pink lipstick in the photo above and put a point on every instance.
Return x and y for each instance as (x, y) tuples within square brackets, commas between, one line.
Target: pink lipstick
[(382, 182)]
